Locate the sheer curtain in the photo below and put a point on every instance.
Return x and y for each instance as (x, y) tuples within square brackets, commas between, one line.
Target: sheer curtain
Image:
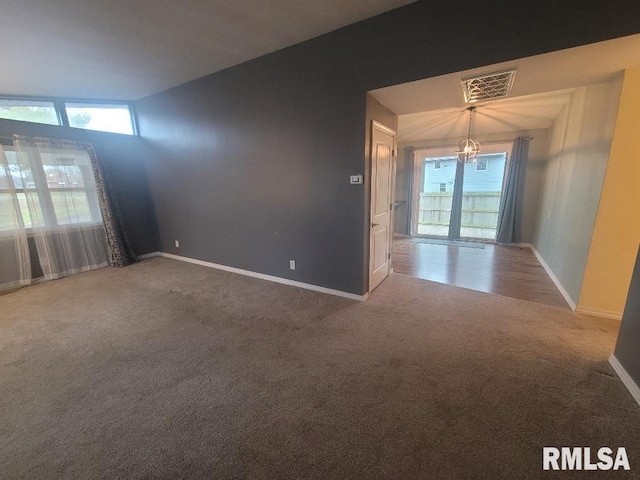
[(62, 202), (15, 262)]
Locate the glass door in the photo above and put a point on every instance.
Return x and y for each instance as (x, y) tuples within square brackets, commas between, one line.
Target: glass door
[(468, 211), (436, 195)]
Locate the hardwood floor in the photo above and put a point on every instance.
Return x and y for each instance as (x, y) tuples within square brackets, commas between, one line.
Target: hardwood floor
[(509, 271)]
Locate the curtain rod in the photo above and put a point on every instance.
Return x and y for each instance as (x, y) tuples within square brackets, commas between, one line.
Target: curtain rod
[(453, 145)]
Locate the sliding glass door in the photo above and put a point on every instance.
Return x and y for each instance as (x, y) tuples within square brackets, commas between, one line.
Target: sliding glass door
[(460, 201), (436, 195)]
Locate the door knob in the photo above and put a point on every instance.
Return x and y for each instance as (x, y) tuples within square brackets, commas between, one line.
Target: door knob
[(374, 225)]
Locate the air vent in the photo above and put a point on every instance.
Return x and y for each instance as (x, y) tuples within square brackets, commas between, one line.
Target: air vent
[(488, 87)]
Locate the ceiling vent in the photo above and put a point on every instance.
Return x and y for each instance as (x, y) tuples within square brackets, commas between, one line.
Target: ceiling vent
[(488, 87)]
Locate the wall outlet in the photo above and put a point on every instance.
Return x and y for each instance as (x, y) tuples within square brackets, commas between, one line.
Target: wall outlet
[(177, 244), (548, 213), (292, 264)]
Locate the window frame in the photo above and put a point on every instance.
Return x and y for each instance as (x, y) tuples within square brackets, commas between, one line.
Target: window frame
[(22, 98), (45, 200), (486, 165), (437, 164), (59, 104), (443, 187)]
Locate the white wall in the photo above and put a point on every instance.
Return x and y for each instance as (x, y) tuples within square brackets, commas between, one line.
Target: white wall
[(578, 153)]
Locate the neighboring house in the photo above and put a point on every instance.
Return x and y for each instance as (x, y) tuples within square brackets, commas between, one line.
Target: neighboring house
[(486, 174)]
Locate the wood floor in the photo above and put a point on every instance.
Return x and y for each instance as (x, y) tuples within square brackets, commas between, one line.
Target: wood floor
[(509, 271)]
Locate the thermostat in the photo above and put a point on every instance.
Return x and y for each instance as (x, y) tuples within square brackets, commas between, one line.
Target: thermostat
[(355, 179)]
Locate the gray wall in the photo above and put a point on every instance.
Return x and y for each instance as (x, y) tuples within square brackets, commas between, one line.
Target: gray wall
[(249, 167), (121, 158), (404, 181), (574, 174), (627, 351)]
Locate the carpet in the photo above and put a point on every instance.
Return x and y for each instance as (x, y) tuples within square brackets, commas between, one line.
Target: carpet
[(165, 369), (448, 243)]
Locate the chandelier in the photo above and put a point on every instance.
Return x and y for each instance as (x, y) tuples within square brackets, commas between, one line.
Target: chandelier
[(468, 149)]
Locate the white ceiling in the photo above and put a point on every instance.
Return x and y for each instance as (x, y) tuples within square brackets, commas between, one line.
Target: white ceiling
[(434, 107), (530, 112), (123, 49)]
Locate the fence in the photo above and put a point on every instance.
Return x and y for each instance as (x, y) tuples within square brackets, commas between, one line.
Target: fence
[(479, 213)]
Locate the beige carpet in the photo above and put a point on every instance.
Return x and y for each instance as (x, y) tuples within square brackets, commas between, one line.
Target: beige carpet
[(171, 370)]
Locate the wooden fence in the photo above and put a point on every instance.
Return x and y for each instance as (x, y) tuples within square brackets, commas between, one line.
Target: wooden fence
[(479, 209)]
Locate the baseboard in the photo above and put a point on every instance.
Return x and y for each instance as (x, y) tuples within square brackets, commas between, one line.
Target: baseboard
[(553, 277), (633, 388), (261, 276), (600, 313)]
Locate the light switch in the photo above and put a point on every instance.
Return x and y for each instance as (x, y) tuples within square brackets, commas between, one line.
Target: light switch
[(355, 179)]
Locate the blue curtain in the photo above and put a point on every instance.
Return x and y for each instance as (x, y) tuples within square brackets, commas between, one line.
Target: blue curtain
[(511, 205), (455, 220)]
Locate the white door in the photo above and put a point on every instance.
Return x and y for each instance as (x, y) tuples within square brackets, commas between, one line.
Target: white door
[(382, 151)]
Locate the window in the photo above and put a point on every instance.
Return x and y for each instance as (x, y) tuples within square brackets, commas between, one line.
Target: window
[(114, 117), (481, 164), (106, 117), (437, 165), (443, 187), (61, 192), (38, 111)]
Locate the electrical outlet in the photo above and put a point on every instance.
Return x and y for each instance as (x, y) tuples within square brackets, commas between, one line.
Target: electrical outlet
[(177, 244), (292, 264), (548, 213)]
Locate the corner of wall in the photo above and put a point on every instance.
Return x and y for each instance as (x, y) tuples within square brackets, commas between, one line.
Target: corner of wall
[(617, 228)]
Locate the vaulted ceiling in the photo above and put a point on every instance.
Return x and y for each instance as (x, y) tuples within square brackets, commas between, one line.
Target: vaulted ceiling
[(123, 49)]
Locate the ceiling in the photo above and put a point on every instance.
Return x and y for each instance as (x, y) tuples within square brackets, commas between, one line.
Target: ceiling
[(530, 112), (434, 108), (123, 49)]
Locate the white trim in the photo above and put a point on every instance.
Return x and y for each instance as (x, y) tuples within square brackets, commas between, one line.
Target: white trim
[(633, 388), (600, 313), (554, 279), (149, 255), (261, 276)]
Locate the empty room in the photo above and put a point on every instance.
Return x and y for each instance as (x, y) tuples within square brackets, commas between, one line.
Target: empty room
[(382, 239)]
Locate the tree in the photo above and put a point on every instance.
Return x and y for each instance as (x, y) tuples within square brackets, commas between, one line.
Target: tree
[(30, 114), (79, 119)]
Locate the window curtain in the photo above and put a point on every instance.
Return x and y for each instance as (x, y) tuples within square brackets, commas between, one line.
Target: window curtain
[(455, 221), (511, 205), (74, 221), (15, 262)]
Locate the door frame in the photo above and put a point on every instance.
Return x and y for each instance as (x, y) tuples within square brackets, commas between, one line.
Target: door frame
[(375, 125)]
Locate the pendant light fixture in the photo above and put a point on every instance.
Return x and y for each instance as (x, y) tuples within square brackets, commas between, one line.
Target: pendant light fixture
[(468, 149)]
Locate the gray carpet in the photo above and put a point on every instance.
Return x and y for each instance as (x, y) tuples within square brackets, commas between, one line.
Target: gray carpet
[(170, 370)]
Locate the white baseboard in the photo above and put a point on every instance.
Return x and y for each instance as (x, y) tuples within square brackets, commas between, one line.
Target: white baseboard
[(633, 388), (600, 313), (553, 277), (261, 276)]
